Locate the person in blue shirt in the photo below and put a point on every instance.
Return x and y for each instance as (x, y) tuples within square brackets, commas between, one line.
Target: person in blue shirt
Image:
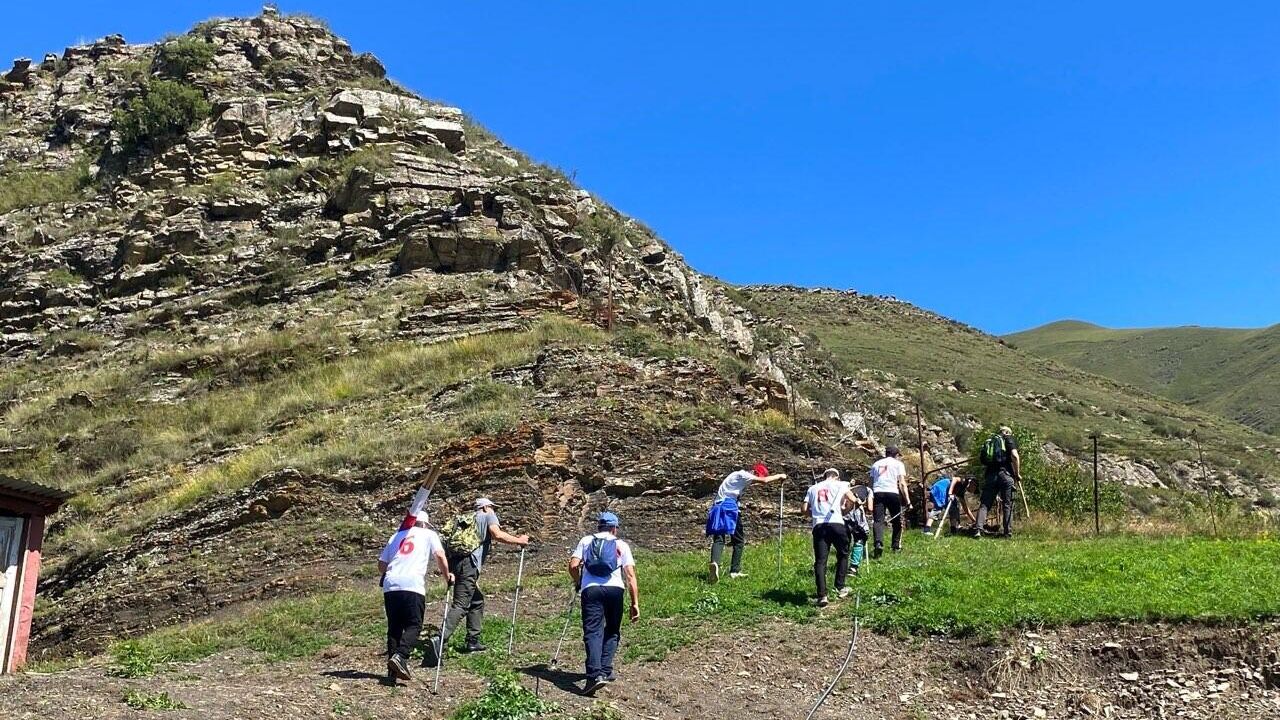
[(947, 490)]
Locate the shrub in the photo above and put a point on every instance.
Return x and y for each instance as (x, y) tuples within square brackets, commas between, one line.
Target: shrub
[(1064, 490), (164, 112), (141, 700), (184, 56), (506, 699), (134, 659)]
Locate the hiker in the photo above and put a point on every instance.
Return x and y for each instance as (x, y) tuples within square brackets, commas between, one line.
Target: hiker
[(825, 504), (601, 566), (467, 540), (857, 521), (724, 520), (1003, 467), (959, 503), (889, 484), (403, 567), (936, 502)]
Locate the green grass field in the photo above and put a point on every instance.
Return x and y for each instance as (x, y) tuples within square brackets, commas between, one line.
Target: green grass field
[(952, 586)]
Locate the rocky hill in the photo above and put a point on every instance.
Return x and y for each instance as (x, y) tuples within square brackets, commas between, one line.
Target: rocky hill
[(1234, 373), (248, 286)]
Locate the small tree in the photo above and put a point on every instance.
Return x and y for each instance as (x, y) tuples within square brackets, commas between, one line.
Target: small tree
[(186, 55), (164, 112)]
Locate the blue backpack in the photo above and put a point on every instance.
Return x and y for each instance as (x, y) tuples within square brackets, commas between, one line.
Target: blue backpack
[(602, 556)]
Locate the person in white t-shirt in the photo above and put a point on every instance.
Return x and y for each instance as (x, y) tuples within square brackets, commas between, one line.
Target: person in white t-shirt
[(403, 565), (889, 484), (726, 507), (601, 566), (825, 503)]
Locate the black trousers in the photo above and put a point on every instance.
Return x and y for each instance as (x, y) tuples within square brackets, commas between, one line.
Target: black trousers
[(998, 483), (824, 536), (739, 541), (404, 620), (601, 628), (888, 504)]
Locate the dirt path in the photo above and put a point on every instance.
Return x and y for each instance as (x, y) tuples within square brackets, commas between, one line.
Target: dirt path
[(774, 670)]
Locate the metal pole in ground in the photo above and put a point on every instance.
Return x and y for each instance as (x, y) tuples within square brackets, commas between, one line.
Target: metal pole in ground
[(1097, 521), (515, 605), (1204, 478), (924, 475)]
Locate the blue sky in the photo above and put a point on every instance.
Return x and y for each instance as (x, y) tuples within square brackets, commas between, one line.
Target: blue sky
[(1003, 163)]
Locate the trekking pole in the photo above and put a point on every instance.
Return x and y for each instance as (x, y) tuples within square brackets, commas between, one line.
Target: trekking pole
[(848, 656), (435, 684), (781, 490), (564, 632), (1023, 493), (515, 605), (945, 513)]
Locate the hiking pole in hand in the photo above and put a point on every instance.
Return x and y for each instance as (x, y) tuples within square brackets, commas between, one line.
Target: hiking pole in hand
[(444, 618), (564, 632), (781, 491), (945, 513), (853, 648), (515, 605), (1023, 493)]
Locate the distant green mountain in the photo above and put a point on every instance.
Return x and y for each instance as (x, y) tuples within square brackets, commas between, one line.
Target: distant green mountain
[(1234, 373)]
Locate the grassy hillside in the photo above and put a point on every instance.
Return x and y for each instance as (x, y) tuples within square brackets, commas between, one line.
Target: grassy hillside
[(1235, 373), (950, 366)]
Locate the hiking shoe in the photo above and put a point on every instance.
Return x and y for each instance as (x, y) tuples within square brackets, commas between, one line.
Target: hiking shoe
[(823, 601), (475, 647), (843, 592), (713, 572), (398, 667), (876, 552), (853, 570), (736, 575), (431, 653), (593, 685)]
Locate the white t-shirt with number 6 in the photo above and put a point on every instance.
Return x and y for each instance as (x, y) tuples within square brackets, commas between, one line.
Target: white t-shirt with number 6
[(408, 557)]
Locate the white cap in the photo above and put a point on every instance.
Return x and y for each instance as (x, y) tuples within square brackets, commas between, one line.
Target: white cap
[(483, 503)]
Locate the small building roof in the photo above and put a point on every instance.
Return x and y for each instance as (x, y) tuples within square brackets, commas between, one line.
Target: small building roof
[(27, 493)]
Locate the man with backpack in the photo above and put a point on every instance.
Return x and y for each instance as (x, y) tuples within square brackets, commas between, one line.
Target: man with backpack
[(889, 484), (601, 567), (825, 504), (724, 519), (467, 540), (1003, 467), (403, 566)]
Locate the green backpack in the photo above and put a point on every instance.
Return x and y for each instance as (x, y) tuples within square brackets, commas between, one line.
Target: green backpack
[(994, 451), (460, 535)]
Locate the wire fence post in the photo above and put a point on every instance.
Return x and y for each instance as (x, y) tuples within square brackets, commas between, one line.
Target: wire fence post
[(1097, 521), (924, 476), (1204, 478)]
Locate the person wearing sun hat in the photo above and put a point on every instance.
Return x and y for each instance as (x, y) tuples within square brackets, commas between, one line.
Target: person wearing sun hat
[(724, 521)]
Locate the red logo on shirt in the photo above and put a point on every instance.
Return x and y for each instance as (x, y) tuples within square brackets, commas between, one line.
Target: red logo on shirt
[(406, 546)]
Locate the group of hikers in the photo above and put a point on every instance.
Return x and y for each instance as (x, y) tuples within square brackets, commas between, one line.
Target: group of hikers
[(843, 516)]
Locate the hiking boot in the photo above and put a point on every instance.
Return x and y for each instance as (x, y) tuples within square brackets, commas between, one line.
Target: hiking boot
[(594, 684), (853, 570), (876, 552), (475, 647), (843, 592), (398, 667), (897, 549), (431, 654), (823, 601), (736, 575), (713, 572)]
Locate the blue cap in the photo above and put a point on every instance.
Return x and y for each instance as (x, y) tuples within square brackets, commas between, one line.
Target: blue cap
[(608, 520)]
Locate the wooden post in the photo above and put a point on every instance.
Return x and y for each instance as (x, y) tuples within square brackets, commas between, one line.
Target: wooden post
[(1204, 478), (924, 476)]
